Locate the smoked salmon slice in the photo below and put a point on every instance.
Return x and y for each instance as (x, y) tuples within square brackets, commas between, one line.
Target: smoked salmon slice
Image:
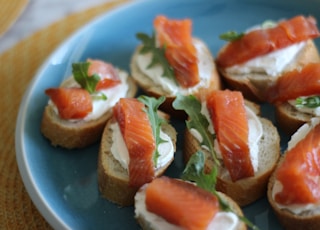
[(296, 83), (263, 41), (72, 103), (137, 133), (107, 73), (230, 123), (176, 37), (181, 203), (299, 172)]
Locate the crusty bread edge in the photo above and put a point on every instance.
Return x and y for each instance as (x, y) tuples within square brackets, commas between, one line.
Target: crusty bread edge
[(247, 190), (289, 119), (255, 87), (287, 219), (114, 186), (151, 89), (80, 134)]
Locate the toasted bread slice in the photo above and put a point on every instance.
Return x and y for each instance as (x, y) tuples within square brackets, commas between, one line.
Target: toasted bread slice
[(287, 219), (113, 179), (78, 134), (289, 119), (146, 222), (255, 85), (250, 189), (156, 90)]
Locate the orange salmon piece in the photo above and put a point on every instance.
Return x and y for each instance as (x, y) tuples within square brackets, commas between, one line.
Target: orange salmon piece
[(230, 122), (299, 173), (137, 133), (296, 83), (176, 37), (107, 73), (72, 103), (260, 42), (181, 203)]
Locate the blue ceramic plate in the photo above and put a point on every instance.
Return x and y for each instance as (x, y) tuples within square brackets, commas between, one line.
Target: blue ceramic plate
[(63, 183)]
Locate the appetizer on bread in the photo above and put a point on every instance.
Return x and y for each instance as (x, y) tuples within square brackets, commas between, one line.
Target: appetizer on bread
[(171, 61), (137, 145), (252, 61), (168, 203), (294, 187), (78, 110), (296, 96), (243, 146)]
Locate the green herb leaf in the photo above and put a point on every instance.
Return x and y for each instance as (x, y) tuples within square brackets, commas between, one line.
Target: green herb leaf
[(231, 36), (197, 120), (152, 105), (308, 102), (194, 172), (89, 83), (158, 55)]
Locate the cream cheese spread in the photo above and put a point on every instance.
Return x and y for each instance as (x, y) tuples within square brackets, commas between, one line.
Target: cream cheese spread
[(205, 67), (222, 220), (121, 154), (271, 64), (100, 106)]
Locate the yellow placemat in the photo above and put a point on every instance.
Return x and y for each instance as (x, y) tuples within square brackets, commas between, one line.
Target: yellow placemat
[(17, 67), (10, 12)]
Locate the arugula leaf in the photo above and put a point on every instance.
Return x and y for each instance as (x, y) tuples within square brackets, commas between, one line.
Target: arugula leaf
[(89, 83), (231, 36), (158, 55), (197, 120), (152, 105), (194, 171), (309, 102)]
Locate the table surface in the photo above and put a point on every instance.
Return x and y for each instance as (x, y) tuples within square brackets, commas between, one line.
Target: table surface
[(38, 14)]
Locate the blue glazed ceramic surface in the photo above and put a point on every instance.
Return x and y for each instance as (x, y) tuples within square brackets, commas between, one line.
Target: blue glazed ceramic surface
[(63, 183)]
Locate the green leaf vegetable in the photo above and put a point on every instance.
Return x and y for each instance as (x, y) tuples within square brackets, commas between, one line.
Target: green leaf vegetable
[(152, 105), (308, 102), (194, 172), (158, 55), (197, 120), (89, 83), (231, 36)]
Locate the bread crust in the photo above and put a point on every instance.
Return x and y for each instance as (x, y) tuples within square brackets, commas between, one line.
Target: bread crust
[(254, 86), (145, 225), (247, 190), (288, 219), (113, 179), (78, 134), (289, 119), (151, 89)]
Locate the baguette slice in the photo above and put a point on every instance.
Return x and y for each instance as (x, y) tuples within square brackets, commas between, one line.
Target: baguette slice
[(255, 85), (149, 225), (155, 90), (286, 218), (247, 190), (289, 119), (78, 134), (113, 179)]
